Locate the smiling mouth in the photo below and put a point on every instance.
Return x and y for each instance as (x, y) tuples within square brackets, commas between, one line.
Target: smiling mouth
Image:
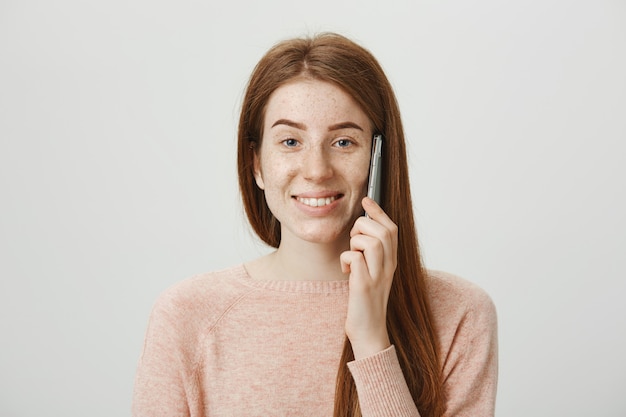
[(317, 202)]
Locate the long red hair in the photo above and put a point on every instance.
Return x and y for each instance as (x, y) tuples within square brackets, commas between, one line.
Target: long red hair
[(336, 59)]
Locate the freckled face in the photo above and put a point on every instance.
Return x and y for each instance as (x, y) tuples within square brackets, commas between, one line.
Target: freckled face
[(313, 160)]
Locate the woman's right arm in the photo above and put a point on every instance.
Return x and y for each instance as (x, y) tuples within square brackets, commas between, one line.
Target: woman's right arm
[(164, 366)]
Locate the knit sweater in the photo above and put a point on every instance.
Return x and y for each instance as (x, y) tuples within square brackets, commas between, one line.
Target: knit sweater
[(224, 344)]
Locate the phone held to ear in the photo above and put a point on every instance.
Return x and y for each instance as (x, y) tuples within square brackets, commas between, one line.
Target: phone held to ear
[(373, 185)]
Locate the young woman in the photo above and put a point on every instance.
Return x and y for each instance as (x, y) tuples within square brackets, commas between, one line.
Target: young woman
[(342, 318)]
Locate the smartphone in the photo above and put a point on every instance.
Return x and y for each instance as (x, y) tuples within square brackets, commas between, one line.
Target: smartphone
[(373, 183)]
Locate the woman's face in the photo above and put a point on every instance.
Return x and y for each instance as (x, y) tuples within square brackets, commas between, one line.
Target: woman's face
[(313, 160)]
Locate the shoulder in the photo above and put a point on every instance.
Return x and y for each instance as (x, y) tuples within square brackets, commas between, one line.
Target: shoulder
[(451, 294), (462, 311), (200, 300)]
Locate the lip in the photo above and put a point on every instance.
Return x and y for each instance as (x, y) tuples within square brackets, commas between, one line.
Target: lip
[(318, 194), (317, 211)]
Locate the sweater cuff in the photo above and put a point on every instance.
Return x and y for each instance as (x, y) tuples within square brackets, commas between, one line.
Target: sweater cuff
[(381, 386)]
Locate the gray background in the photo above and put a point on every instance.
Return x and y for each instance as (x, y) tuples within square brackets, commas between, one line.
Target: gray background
[(117, 178)]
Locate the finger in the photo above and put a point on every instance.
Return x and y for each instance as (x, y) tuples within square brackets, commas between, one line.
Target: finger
[(367, 226), (354, 263), (374, 210), (373, 250), (376, 213), (345, 261), (386, 234)]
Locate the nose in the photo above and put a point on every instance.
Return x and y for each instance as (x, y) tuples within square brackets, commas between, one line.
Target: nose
[(317, 164)]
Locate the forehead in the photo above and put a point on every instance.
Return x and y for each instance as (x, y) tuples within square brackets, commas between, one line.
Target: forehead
[(312, 102)]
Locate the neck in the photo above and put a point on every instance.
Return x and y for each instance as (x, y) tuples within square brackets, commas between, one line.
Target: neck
[(298, 260)]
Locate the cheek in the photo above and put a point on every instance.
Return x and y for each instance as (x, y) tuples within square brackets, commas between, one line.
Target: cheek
[(275, 172), (361, 173)]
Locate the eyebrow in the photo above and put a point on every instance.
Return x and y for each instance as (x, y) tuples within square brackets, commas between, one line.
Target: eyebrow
[(301, 126), (290, 123), (345, 125)]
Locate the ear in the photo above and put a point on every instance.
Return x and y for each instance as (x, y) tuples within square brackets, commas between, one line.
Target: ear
[(258, 177)]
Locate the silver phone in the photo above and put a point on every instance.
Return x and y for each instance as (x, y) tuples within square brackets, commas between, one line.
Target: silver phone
[(373, 186)]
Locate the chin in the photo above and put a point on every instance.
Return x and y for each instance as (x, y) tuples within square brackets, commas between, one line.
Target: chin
[(324, 240), (326, 234)]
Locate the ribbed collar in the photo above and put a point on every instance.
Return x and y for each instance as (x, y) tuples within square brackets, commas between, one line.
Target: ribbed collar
[(295, 286)]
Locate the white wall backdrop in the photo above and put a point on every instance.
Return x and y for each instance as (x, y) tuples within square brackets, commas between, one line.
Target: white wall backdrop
[(117, 178)]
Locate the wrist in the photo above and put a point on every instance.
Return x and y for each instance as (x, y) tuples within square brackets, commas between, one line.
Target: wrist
[(363, 348)]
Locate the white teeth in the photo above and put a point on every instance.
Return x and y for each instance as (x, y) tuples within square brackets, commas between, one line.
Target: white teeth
[(316, 202)]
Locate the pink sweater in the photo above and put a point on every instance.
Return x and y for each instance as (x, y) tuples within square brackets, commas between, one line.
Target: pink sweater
[(223, 344)]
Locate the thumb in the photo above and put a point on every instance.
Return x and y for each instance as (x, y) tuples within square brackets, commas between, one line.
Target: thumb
[(345, 264), (346, 259)]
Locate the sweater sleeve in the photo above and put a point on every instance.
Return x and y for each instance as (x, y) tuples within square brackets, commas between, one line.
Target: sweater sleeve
[(161, 382), (382, 389), (471, 366), (469, 374)]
